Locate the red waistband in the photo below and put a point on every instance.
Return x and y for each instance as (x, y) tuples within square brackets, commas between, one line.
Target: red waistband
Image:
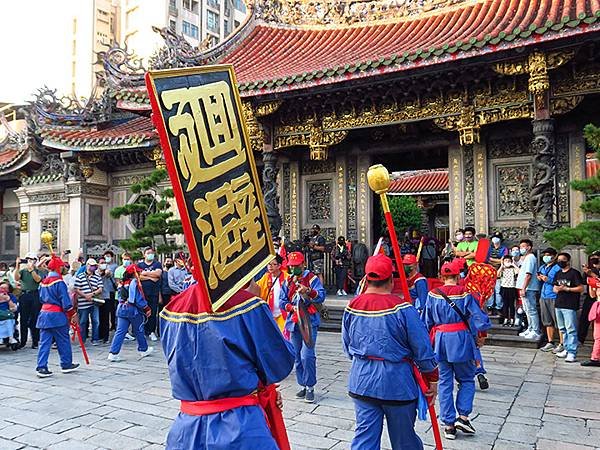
[(49, 307), (447, 328), (205, 407)]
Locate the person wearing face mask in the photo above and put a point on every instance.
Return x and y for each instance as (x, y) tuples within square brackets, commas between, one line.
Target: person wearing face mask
[(496, 253), (178, 274), (150, 277), (165, 290), (109, 286), (304, 286), (592, 271), (507, 274), (468, 247), (546, 274), (317, 252), (29, 302), (341, 258), (529, 289), (516, 255), (126, 261), (568, 285), (88, 287), (417, 283)]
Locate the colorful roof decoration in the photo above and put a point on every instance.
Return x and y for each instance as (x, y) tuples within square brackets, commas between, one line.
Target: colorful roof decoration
[(15, 150), (420, 182), (133, 133), (275, 57)]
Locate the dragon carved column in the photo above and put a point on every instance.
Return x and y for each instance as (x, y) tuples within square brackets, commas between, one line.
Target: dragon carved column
[(542, 197), (269, 175)]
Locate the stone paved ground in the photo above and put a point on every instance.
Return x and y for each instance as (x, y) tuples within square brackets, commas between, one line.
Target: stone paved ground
[(535, 402)]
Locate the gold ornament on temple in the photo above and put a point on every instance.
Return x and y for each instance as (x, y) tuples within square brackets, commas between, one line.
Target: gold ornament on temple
[(378, 178)]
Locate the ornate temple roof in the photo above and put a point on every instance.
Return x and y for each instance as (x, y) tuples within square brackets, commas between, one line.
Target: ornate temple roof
[(420, 182), (290, 44), (15, 149), (133, 133)]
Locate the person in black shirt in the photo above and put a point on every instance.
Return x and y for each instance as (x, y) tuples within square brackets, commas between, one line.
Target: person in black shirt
[(317, 252), (568, 285)]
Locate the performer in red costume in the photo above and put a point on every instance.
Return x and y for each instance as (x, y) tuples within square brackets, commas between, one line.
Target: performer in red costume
[(223, 366)]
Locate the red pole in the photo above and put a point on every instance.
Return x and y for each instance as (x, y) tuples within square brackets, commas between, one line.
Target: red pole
[(77, 331)]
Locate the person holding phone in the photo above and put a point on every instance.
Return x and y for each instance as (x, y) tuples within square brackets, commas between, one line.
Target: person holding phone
[(29, 303)]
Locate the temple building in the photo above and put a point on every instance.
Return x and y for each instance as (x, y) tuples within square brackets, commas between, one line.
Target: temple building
[(495, 91)]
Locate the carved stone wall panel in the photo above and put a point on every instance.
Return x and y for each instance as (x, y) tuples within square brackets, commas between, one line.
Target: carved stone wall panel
[(351, 224), (542, 196), (512, 186), (512, 235), (576, 172), (319, 205), (127, 180), (562, 178), (51, 225), (318, 167), (500, 148), (469, 186)]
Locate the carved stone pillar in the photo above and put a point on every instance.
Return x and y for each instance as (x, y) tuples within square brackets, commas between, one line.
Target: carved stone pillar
[(455, 188), (542, 196), (269, 176)]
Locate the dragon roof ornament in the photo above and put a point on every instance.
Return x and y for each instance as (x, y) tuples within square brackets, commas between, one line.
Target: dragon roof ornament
[(18, 140), (312, 13), (121, 68)]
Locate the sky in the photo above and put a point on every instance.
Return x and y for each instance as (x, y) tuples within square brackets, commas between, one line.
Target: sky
[(32, 31)]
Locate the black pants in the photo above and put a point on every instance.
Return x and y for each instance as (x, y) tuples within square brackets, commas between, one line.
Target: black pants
[(429, 268), (107, 317), (340, 276), (30, 306), (584, 323), (509, 296), (150, 326)]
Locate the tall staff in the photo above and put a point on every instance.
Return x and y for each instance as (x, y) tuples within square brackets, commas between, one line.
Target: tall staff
[(378, 178)]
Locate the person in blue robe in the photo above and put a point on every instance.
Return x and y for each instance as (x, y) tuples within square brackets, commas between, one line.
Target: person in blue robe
[(384, 336), (223, 367), (132, 311), (53, 320), (417, 283), (456, 340), (302, 286)]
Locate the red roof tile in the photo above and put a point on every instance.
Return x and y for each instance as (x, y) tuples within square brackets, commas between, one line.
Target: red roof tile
[(137, 132), (421, 182), (274, 57), (8, 156)]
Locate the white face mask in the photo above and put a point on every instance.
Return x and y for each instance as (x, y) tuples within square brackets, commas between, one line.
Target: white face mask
[(108, 259), (102, 266)]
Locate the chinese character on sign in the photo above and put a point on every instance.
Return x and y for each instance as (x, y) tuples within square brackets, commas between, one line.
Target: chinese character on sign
[(211, 167)]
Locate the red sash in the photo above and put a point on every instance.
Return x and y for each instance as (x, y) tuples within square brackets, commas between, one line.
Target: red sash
[(49, 307), (266, 398), (447, 328)]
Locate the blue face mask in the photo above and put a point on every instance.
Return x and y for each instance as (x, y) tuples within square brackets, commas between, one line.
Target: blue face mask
[(523, 251), (127, 262), (547, 259), (150, 256), (496, 240), (515, 253)]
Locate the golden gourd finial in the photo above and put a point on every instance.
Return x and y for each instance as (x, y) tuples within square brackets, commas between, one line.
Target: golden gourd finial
[(47, 238), (378, 178)]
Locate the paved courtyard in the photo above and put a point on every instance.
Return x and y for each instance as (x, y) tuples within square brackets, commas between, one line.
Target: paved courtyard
[(534, 402)]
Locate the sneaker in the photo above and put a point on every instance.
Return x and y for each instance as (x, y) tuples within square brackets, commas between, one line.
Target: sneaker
[(153, 337), (548, 347), (534, 336), (338, 293), (12, 340), (344, 293), (591, 363), (505, 323), (559, 348), (114, 358), (72, 368), (525, 333), (562, 354), (148, 351), (95, 343), (450, 432), (570, 358), (301, 393), (43, 373), (129, 337), (310, 396), (483, 382), (34, 346), (464, 426)]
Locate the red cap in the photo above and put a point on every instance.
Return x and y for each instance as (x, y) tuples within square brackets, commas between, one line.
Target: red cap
[(459, 262), (379, 267), (131, 268), (450, 268), (409, 259), (295, 259), (55, 264)]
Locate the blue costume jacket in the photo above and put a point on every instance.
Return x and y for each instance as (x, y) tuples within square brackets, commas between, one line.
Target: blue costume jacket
[(134, 305), (222, 354), (316, 295), (417, 287), (382, 334), (53, 290), (457, 346)]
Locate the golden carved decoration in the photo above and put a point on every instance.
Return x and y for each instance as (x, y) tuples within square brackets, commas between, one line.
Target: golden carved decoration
[(584, 82), (309, 133), (563, 105), (468, 126), (255, 131), (265, 109), (156, 155), (327, 13), (87, 164), (536, 65)]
